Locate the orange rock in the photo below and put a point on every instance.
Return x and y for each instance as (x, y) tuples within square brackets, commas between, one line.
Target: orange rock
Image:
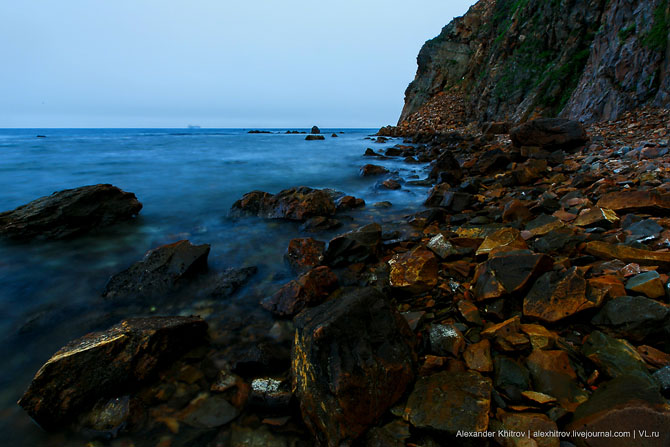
[(611, 286), (653, 356), (540, 337), (505, 239), (509, 272), (628, 254), (469, 312), (507, 335), (596, 217), (632, 201), (478, 356), (414, 271)]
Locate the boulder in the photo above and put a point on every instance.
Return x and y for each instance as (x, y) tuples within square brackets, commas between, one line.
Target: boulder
[(308, 290), (304, 254), (107, 364), (69, 213), (161, 271), (297, 204), (446, 168), (415, 271), (315, 130), (550, 133), (371, 170), (352, 359), (360, 245)]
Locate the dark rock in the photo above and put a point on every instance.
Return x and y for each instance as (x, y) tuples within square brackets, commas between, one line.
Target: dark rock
[(446, 166), (371, 170), (371, 153), (298, 204), (391, 184), (446, 339), (106, 364), (536, 427), (662, 377), (269, 394), (352, 359), (334, 135), (456, 201), (647, 283), (208, 411), (510, 377), (308, 290), (450, 402), (493, 161), (304, 254), (360, 245), (226, 283), (415, 271), (315, 130), (509, 272), (628, 254), (69, 213), (516, 211), (319, 223), (529, 172), (554, 375), (162, 270), (496, 128), (615, 357), (549, 133), (265, 357), (393, 152), (315, 137), (349, 202)]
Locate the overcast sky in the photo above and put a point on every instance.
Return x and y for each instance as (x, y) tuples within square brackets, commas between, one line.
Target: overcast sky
[(214, 63)]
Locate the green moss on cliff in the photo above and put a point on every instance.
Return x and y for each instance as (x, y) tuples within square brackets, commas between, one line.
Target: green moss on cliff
[(657, 37)]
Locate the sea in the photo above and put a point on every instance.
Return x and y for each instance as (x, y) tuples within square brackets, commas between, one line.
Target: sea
[(187, 180)]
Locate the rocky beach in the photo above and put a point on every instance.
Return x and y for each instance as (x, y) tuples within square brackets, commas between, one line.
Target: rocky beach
[(520, 297)]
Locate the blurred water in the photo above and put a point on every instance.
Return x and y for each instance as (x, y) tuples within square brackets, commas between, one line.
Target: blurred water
[(187, 180)]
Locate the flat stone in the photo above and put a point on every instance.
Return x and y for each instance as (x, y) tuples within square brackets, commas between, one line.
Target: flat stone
[(635, 201), (509, 272), (414, 271), (596, 217), (647, 283), (615, 357), (477, 356), (544, 224), (450, 401), (553, 374), (539, 398), (510, 377), (507, 335), (628, 254), (469, 312), (208, 411), (505, 239), (516, 211), (540, 337), (102, 365)]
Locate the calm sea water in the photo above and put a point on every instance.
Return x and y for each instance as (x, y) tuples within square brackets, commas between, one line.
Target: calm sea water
[(187, 180)]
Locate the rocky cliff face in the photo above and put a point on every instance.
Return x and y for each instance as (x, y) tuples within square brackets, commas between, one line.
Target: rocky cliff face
[(519, 59)]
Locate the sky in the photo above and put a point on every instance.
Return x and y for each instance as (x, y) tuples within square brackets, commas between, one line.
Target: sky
[(213, 63)]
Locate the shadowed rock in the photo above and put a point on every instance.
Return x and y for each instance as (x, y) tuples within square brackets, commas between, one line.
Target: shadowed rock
[(69, 213), (298, 204), (549, 133), (310, 289), (360, 245)]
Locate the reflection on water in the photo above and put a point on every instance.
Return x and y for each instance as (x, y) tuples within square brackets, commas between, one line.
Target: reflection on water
[(187, 181)]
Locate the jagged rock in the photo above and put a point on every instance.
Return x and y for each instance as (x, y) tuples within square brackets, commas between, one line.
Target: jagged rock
[(161, 271), (304, 254), (414, 271), (315, 137), (456, 201), (627, 403), (450, 401), (509, 272), (647, 283), (628, 254), (391, 184), (360, 245), (349, 202), (69, 213), (441, 246), (634, 317), (308, 290), (103, 365), (554, 297), (436, 194), (540, 337), (549, 133), (553, 374), (371, 170), (319, 223), (600, 217), (507, 335), (270, 394), (635, 201), (446, 339), (298, 204), (615, 357), (226, 283), (352, 359)]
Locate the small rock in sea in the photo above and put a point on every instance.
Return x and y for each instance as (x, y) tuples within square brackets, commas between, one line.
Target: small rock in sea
[(391, 184), (370, 170), (303, 254), (299, 204), (41, 136), (319, 223), (349, 202), (384, 204), (69, 213), (315, 130), (314, 137), (334, 135)]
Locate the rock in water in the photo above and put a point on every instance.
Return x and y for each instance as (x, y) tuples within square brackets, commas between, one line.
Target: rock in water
[(102, 365), (550, 133), (298, 204), (161, 270), (315, 130), (69, 213), (352, 359), (360, 245), (314, 137)]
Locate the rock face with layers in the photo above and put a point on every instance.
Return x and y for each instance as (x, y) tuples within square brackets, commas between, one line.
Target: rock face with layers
[(69, 213), (352, 359), (106, 364)]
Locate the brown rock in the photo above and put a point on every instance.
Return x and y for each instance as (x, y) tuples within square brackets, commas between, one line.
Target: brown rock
[(553, 374), (446, 339), (540, 337), (349, 202), (505, 239), (628, 254), (371, 170), (509, 272), (450, 401), (360, 245), (516, 211), (297, 204), (648, 284), (308, 290), (507, 335), (549, 133), (469, 312), (414, 271), (635, 201), (304, 254), (600, 217), (105, 364), (391, 184), (478, 356)]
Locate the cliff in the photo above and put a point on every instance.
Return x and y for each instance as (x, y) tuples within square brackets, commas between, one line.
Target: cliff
[(511, 60)]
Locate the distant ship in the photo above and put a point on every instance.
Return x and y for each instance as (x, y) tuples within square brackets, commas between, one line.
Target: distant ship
[(191, 126)]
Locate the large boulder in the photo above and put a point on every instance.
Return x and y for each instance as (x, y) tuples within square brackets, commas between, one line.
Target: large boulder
[(161, 271), (107, 364), (69, 213), (549, 133), (297, 204), (352, 359)]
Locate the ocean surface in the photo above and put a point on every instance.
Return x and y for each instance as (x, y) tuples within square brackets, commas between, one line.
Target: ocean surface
[(187, 180)]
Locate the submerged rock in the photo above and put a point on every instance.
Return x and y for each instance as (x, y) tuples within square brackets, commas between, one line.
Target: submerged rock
[(161, 271), (69, 213), (299, 203), (370, 170), (107, 364), (314, 137), (352, 359)]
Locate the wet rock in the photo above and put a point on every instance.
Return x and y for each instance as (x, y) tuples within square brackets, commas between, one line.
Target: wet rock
[(628, 254), (69, 213), (264, 357), (103, 365), (319, 223), (509, 272), (315, 130), (360, 245), (446, 339), (304, 254), (308, 290), (391, 184), (554, 297), (627, 403), (469, 312), (372, 170), (352, 359), (544, 224), (553, 374), (349, 202), (270, 394), (162, 270), (208, 411), (315, 137), (493, 161), (414, 271), (477, 356), (226, 283), (596, 217), (297, 204), (334, 135), (441, 246), (446, 167), (549, 133), (450, 401), (635, 201), (647, 283), (505, 239), (107, 417), (510, 377), (436, 194), (615, 357), (527, 423)]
